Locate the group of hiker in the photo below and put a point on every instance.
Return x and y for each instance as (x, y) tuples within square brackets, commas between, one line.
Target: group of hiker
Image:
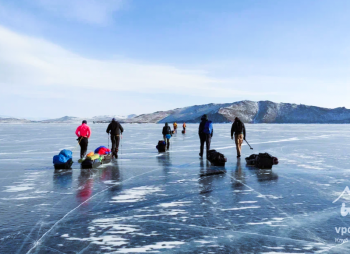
[(114, 129), (175, 127), (205, 133)]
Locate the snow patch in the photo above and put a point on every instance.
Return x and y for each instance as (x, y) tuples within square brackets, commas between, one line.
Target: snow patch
[(136, 194), (151, 247)]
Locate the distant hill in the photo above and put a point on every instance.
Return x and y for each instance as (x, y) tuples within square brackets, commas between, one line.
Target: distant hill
[(72, 119), (13, 120), (65, 119), (247, 111)]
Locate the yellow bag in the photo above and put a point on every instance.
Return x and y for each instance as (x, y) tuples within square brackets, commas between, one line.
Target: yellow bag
[(94, 157)]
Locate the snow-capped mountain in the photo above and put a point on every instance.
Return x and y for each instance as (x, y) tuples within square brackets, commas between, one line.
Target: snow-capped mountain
[(109, 117), (249, 112)]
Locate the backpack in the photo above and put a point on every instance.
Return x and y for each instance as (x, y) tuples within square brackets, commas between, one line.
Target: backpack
[(208, 127)]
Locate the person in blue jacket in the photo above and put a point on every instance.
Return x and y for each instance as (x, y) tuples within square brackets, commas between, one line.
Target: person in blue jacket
[(205, 132)]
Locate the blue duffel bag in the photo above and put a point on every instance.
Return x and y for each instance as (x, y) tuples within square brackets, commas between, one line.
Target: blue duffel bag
[(62, 157), (67, 153)]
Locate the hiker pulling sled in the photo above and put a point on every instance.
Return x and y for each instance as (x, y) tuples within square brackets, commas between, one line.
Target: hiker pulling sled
[(115, 130)]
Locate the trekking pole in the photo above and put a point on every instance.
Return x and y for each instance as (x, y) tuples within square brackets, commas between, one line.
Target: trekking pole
[(249, 145)]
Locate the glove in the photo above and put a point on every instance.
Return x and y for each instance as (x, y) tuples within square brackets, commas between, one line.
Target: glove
[(232, 137)]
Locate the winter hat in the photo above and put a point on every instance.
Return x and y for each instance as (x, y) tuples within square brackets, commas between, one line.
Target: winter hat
[(204, 117)]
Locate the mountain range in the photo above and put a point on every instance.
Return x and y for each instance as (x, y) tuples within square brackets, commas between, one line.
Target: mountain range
[(247, 111)]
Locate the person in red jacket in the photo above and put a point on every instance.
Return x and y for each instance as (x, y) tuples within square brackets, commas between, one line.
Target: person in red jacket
[(83, 133)]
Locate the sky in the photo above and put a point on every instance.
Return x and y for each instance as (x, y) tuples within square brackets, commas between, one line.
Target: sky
[(117, 57)]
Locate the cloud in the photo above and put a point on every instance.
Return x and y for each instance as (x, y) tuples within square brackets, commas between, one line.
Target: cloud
[(35, 68), (27, 62), (88, 11)]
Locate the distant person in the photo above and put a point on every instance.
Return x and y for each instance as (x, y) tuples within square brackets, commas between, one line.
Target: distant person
[(83, 133), (116, 130), (175, 127), (238, 129), (184, 128), (167, 134), (205, 133)]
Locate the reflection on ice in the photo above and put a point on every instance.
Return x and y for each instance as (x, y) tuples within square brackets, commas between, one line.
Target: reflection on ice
[(63, 178)]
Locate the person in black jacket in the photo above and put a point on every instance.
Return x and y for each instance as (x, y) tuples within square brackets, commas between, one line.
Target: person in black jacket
[(166, 130), (238, 129), (116, 130), (204, 138)]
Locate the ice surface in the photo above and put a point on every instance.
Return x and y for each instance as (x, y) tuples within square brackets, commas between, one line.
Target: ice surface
[(150, 202)]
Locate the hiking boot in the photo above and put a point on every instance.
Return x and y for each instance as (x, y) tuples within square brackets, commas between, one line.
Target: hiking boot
[(238, 156), (200, 155)]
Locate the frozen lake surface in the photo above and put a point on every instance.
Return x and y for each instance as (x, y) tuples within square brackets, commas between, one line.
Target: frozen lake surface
[(146, 202)]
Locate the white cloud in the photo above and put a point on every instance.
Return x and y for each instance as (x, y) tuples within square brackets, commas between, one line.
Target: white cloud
[(35, 68), (89, 11), (28, 62)]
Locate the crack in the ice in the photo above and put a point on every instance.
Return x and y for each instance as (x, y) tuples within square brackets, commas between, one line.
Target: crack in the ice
[(38, 242), (231, 230), (318, 239)]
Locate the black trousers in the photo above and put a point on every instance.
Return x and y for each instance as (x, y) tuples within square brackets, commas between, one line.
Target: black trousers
[(115, 143), (83, 146), (204, 138)]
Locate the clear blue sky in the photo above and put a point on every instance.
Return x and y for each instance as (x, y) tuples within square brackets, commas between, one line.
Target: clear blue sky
[(96, 57)]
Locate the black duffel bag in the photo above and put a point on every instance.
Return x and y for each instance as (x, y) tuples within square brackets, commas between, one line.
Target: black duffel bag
[(264, 161), (216, 158), (161, 146), (251, 160), (87, 163)]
